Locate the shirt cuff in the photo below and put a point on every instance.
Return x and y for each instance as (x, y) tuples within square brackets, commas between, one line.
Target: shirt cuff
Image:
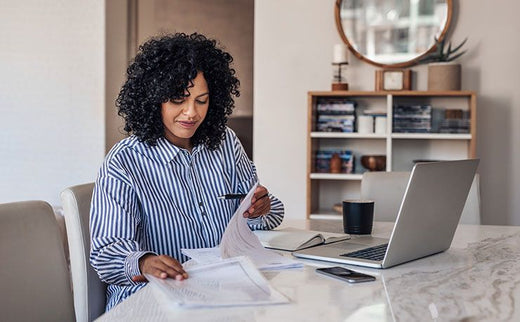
[(257, 222), (132, 265)]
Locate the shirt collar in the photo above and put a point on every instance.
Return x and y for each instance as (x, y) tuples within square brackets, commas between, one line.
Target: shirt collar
[(165, 152)]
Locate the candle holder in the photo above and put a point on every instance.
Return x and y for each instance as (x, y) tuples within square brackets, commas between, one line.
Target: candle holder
[(339, 82)]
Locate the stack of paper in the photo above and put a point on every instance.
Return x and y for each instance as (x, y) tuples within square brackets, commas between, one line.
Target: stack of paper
[(224, 276), (231, 282), (268, 260)]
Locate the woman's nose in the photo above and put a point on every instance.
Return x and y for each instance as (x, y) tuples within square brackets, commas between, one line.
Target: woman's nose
[(189, 109)]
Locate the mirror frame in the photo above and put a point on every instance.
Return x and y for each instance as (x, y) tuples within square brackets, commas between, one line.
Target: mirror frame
[(408, 63)]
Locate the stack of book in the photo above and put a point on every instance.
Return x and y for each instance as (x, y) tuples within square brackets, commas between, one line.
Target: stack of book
[(323, 158), (455, 121), (335, 115), (412, 118)]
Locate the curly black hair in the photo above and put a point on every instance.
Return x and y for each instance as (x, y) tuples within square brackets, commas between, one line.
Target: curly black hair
[(162, 71)]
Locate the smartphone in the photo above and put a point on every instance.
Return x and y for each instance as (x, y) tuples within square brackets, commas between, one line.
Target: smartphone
[(345, 274)]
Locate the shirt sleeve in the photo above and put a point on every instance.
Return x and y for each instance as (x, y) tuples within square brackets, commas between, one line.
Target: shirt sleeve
[(272, 219), (247, 177), (115, 227)]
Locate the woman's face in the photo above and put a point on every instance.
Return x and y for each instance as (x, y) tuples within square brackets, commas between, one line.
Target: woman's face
[(182, 117)]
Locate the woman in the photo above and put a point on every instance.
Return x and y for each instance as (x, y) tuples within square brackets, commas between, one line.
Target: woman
[(157, 190)]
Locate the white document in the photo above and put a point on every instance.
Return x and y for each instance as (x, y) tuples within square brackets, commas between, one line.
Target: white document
[(231, 282), (239, 240), (202, 255), (270, 261)]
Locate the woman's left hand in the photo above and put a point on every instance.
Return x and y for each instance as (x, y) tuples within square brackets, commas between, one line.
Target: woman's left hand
[(260, 203)]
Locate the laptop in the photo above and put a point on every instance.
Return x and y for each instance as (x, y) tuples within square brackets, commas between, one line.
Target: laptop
[(428, 216)]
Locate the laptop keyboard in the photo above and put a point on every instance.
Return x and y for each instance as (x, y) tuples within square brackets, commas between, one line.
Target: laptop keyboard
[(376, 253)]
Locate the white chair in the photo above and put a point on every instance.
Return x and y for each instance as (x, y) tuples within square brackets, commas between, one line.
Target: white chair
[(60, 219), (34, 274), (387, 190), (89, 290)]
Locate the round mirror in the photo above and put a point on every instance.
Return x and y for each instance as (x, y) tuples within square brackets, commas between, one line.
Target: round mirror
[(392, 33)]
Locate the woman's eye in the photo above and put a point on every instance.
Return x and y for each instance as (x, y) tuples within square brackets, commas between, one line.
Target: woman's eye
[(178, 102), (202, 102)]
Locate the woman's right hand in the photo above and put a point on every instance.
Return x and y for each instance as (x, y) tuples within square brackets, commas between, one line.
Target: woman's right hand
[(161, 266)]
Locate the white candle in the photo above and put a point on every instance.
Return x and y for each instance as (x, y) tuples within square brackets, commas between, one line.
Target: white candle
[(340, 54), (365, 124), (380, 125)]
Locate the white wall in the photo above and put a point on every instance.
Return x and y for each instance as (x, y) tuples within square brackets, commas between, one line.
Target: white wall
[(293, 50), (51, 96)]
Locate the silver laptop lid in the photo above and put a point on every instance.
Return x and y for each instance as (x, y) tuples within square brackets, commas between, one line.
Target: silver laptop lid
[(430, 210)]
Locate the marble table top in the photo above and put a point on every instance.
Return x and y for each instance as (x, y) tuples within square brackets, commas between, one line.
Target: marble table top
[(477, 279)]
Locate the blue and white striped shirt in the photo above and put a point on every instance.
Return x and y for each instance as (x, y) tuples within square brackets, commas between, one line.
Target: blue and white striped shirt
[(161, 199)]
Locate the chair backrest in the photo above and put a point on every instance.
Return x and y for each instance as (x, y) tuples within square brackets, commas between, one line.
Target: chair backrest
[(89, 290), (387, 190), (34, 273), (471, 211)]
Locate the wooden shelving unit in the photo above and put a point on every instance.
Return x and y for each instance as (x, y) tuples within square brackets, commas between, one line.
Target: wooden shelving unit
[(326, 189)]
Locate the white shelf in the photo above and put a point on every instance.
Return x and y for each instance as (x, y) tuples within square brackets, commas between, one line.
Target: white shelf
[(431, 136), (340, 135), (422, 136), (336, 176)]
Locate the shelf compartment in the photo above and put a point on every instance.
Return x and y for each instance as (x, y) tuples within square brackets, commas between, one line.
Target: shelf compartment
[(336, 176), (406, 151), (327, 193), (357, 145)]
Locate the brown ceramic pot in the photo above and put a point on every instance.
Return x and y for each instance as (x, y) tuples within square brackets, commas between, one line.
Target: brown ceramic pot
[(374, 162), (335, 163), (444, 77)]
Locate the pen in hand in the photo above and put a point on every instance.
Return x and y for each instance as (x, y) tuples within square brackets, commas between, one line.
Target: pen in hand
[(230, 196)]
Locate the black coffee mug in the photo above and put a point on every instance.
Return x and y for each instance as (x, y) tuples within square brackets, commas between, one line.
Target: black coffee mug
[(358, 216)]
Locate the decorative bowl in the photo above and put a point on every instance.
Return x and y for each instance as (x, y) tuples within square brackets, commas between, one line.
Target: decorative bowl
[(374, 162)]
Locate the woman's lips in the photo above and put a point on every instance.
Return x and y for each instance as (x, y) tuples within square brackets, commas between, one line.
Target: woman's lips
[(187, 124)]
